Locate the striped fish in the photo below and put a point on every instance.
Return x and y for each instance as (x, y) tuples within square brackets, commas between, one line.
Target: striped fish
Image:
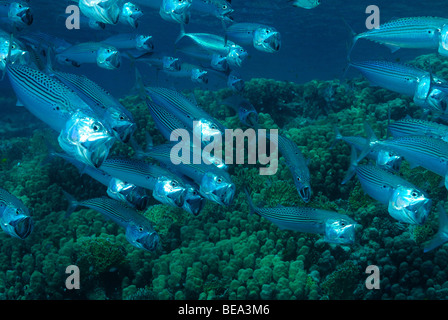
[(406, 203), (117, 189), (139, 230), (82, 135), (336, 227), (166, 187), (297, 165), (214, 184), (120, 120), (203, 125), (15, 218), (412, 33), (262, 37), (409, 126), (103, 55), (383, 158), (427, 152)]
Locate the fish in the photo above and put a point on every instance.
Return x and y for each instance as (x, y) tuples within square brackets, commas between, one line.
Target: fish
[(105, 11), (216, 44), (410, 126), (336, 228), (18, 53), (442, 234), (410, 33), (195, 73), (428, 91), (203, 126), (383, 158), (130, 14), (306, 4), (142, 43), (105, 56), (117, 189), (139, 230), (246, 111), (220, 9), (427, 152), (166, 187), (406, 203), (234, 82), (81, 133), (297, 165), (215, 60), (16, 14), (175, 10), (214, 183), (119, 120), (15, 217), (166, 63), (262, 37)]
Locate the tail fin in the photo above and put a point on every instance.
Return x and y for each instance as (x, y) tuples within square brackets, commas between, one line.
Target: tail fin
[(352, 169), (181, 34), (442, 235), (371, 138), (249, 199), (353, 39), (337, 137), (139, 86), (72, 203)]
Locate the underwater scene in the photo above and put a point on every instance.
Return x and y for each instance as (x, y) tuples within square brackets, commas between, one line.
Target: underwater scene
[(223, 150)]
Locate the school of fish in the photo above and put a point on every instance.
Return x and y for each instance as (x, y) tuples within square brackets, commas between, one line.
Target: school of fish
[(88, 120)]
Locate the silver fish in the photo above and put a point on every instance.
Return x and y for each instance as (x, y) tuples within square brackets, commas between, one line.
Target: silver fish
[(105, 11), (166, 186), (15, 218), (104, 56), (119, 120), (130, 14), (336, 228), (139, 230), (195, 73), (221, 9), (306, 4), (82, 135), (412, 33), (262, 37), (18, 54), (406, 202), (245, 110), (409, 126), (17, 15), (140, 42), (175, 10), (427, 152)]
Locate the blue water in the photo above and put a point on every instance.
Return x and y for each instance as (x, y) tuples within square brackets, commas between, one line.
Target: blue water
[(226, 252)]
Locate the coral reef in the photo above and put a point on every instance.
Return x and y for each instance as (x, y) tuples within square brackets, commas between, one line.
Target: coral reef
[(225, 252)]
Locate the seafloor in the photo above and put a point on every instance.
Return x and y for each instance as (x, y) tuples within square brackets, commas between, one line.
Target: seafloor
[(225, 252)]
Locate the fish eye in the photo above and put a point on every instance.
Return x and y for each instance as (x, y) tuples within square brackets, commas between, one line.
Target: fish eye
[(173, 183), (140, 229), (219, 180), (121, 117), (96, 127), (414, 194), (195, 193), (224, 6), (299, 179), (17, 212)]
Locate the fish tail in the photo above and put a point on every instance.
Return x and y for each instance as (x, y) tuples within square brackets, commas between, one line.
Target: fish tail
[(181, 34), (441, 236), (352, 169), (353, 39), (249, 200), (337, 137), (371, 138), (72, 203)]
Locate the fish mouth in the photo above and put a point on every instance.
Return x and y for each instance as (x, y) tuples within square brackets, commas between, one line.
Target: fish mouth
[(150, 241), (238, 85), (225, 195), (124, 132), (26, 16), (252, 119), (273, 42), (420, 211), (194, 204), (22, 227), (142, 203), (174, 65), (112, 61), (305, 193), (98, 151)]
